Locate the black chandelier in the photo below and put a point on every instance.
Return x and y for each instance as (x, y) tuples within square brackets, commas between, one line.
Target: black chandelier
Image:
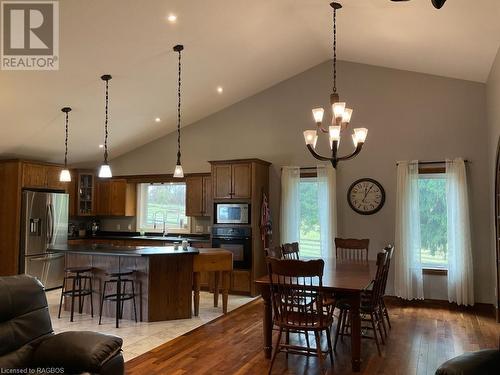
[(65, 175), (340, 119), (105, 169)]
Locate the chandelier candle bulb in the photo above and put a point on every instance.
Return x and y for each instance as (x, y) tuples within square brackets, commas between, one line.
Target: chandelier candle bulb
[(311, 137), (361, 134), (346, 117), (338, 110), (318, 115)]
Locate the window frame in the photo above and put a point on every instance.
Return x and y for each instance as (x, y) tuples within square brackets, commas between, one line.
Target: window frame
[(141, 210), (306, 174), (429, 170)]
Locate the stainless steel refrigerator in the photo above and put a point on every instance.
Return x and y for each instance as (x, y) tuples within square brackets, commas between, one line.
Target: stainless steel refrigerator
[(44, 223)]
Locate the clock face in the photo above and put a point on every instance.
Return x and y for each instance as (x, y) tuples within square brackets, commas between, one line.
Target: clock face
[(366, 196)]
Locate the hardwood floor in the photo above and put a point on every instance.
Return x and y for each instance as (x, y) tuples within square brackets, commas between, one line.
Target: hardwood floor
[(422, 337)]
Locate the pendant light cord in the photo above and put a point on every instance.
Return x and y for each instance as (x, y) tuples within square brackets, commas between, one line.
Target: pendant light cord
[(66, 144), (179, 114), (334, 50), (106, 126)]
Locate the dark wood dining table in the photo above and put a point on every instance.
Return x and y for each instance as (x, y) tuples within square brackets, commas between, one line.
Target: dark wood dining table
[(345, 278)]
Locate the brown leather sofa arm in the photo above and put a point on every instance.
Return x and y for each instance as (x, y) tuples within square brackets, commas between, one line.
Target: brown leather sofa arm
[(484, 362), (81, 351)]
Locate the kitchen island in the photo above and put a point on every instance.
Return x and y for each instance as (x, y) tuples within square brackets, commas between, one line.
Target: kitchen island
[(163, 277)]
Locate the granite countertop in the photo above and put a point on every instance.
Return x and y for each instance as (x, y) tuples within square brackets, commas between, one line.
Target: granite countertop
[(129, 236), (104, 249)]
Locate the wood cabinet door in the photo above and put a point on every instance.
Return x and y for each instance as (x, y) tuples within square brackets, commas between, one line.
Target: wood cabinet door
[(86, 203), (207, 196), (194, 196), (240, 281), (241, 181), (71, 188), (53, 174), (34, 175), (221, 175), (117, 198), (102, 201)]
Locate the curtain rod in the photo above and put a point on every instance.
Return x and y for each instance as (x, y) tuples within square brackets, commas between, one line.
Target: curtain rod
[(434, 162)]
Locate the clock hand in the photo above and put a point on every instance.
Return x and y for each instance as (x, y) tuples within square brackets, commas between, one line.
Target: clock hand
[(367, 193)]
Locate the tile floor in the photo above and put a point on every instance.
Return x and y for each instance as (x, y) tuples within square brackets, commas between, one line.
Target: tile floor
[(141, 337)]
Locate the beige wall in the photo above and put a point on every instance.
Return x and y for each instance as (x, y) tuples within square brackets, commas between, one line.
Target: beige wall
[(409, 116), (493, 121)]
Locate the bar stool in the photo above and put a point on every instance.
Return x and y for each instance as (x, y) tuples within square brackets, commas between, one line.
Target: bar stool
[(117, 277), (79, 277)]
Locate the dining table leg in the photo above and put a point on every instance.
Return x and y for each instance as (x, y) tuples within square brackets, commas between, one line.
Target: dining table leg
[(268, 321), (355, 332)]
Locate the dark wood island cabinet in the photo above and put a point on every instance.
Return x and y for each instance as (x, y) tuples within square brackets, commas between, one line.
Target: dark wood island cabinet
[(163, 278)]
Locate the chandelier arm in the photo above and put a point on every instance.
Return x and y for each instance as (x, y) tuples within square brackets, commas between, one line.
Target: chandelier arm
[(316, 155), (356, 152), (322, 129)]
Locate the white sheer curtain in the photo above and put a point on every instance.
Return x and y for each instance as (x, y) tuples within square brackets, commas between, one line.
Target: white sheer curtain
[(408, 282), (327, 207), (290, 205), (460, 274)]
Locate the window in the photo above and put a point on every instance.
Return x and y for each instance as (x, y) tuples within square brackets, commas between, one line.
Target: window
[(309, 237), (162, 206), (433, 220)]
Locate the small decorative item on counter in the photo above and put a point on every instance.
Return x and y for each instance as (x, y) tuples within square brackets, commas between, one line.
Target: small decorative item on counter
[(95, 227), (176, 245), (184, 244)]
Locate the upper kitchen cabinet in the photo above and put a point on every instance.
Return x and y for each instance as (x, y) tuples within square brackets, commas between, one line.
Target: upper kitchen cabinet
[(198, 195), (115, 197), (85, 194), (42, 176), (233, 179)]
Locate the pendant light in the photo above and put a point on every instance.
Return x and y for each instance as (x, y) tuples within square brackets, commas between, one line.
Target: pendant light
[(65, 175), (105, 170), (341, 116), (178, 172)]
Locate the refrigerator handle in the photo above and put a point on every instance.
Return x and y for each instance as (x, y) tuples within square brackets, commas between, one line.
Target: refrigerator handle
[(51, 222)]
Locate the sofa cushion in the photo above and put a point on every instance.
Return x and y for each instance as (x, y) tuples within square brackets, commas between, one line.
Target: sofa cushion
[(77, 351), (484, 362)]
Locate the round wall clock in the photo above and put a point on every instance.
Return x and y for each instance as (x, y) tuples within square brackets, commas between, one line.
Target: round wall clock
[(366, 196)]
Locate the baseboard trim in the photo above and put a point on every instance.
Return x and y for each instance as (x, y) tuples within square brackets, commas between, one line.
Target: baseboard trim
[(482, 308)]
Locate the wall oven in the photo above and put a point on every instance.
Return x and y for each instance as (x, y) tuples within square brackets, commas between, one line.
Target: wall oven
[(232, 213), (238, 240)]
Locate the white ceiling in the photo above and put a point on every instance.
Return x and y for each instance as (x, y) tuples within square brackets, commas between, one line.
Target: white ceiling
[(244, 46)]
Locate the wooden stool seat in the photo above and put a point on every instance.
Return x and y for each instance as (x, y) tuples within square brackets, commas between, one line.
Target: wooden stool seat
[(77, 269), (116, 273), (218, 261)]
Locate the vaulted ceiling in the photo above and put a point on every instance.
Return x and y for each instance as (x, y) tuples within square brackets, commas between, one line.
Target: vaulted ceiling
[(243, 46)]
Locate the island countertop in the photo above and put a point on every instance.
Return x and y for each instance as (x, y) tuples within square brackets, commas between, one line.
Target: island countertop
[(133, 251)]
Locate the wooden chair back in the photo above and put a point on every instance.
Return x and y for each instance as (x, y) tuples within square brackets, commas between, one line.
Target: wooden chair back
[(378, 282), (273, 252), (290, 251), (389, 249), (352, 249), (295, 303)]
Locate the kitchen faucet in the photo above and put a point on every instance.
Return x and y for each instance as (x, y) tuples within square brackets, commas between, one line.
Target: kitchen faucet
[(164, 222)]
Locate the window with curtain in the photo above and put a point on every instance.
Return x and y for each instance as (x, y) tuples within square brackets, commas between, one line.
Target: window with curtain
[(433, 219), (308, 209), (433, 230), (162, 205)]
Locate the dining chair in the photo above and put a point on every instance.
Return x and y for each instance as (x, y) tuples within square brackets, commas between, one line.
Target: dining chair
[(369, 309), (383, 309), (351, 249), (273, 252), (290, 250), (298, 307)]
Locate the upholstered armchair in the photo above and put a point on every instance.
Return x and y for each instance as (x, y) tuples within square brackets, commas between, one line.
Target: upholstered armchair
[(27, 340)]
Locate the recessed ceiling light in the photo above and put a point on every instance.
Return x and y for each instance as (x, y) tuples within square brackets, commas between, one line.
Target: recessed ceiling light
[(220, 89), (157, 119), (101, 146), (172, 18)]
